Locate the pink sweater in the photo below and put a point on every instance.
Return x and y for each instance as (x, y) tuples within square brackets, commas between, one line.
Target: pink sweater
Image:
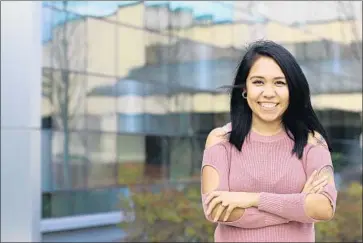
[(266, 165)]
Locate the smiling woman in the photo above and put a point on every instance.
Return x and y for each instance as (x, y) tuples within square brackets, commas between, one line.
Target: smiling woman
[(268, 94), (276, 184)]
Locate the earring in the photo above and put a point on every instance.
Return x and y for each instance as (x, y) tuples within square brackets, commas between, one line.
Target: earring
[(244, 94)]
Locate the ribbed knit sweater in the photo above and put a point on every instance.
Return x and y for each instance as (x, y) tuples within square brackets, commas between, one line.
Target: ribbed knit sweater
[(266, 165)]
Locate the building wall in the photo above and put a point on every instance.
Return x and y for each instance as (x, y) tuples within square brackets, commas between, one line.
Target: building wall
[(20, 121), (112, 50), (111, 133)]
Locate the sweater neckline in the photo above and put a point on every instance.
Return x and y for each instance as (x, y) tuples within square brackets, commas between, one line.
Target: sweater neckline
[(254, 136)]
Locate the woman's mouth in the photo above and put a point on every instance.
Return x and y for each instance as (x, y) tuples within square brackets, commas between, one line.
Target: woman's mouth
[(268, 106)]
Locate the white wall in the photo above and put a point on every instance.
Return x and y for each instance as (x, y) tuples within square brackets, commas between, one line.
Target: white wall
[(20, 121)]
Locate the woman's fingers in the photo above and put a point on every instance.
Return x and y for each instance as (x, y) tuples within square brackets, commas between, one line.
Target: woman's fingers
[(228, 211), (320, 190), (213, 204), (311, 178), (211, 196), (316, 185), (319, 181), (308, 183), (219, 212), (320, 186)]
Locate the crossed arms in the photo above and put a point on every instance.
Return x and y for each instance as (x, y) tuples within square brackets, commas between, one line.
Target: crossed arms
[(254, 210)]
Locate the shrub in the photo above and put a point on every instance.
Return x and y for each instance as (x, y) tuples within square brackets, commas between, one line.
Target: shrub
[(346, 226), (339, 161), (171, 214), (166, 215)]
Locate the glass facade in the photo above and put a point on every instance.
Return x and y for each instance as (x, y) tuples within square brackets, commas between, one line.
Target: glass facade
[(130, 96)]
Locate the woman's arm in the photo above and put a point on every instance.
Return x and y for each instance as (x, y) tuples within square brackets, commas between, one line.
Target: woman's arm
[(215, 170), (306, 207), (210, 183)]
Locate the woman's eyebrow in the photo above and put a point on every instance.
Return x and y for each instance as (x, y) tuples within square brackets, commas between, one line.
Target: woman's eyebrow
[(264, 78)]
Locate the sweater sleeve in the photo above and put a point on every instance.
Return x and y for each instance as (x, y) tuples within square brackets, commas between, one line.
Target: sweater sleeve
[(216, 157), (292, 206)]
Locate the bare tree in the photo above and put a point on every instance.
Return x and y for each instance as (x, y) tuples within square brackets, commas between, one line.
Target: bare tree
[(63, 80), (346, 12)]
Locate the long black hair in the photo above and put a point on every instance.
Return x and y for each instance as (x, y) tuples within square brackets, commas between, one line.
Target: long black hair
[(299, 119)]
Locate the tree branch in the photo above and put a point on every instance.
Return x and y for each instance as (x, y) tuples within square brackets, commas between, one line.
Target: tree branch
[(355, 48)]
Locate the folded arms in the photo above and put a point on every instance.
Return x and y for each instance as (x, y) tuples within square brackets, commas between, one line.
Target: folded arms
[(267, 208)]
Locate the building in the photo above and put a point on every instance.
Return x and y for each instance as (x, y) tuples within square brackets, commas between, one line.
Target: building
[(20, 121), (132, 95)]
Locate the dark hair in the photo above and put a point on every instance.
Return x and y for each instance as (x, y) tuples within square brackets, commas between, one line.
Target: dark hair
[(299, 119)]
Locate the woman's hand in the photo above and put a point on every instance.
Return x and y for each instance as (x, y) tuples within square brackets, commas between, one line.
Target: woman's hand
[(230, 201), (313, 185)]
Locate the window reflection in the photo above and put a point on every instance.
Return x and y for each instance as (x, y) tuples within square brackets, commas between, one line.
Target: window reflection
[(123, 105)]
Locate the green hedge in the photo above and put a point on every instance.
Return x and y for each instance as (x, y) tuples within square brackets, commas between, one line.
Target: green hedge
[(346, 226), (174, 215)]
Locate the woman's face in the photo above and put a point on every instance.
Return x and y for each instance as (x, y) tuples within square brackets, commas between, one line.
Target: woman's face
[(267, 91)]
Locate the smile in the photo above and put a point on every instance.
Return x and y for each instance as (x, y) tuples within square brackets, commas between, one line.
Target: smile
[(267, 106)]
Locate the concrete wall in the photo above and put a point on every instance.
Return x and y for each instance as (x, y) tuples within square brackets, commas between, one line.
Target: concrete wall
[(20, 121)]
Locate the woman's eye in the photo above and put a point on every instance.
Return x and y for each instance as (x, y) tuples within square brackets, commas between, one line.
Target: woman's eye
[(257, 82), (280, 83)]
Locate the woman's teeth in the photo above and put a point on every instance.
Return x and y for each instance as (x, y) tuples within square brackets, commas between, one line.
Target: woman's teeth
[(268, 105)]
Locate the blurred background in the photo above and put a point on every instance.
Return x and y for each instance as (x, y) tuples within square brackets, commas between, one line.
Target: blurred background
[(130, 92)]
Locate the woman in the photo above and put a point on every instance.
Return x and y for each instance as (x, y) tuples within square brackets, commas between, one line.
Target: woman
[(268, 175)]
